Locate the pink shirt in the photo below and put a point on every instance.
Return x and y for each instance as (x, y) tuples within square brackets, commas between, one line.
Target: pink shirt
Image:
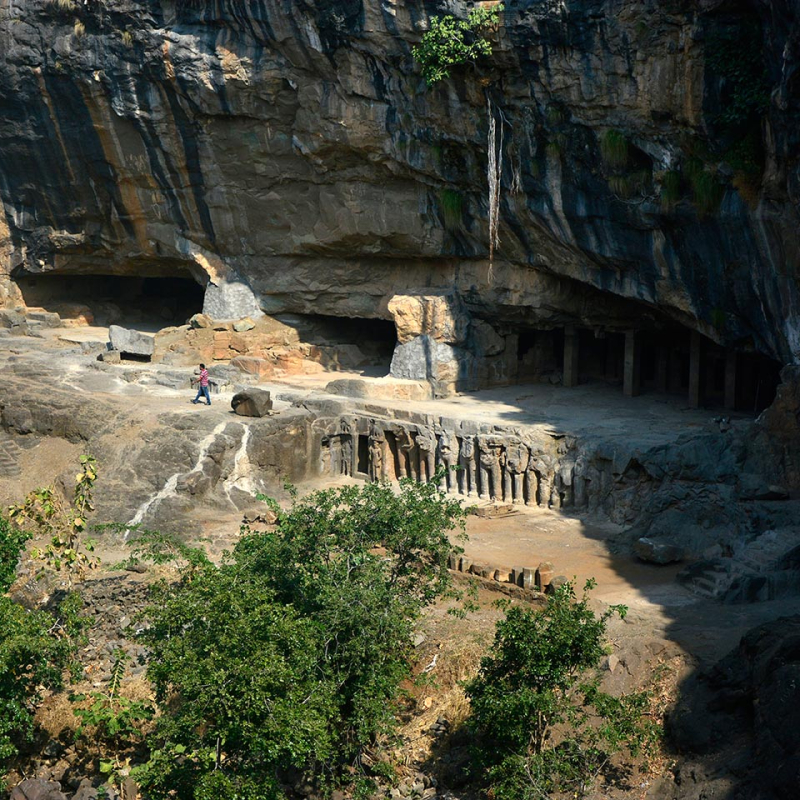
[(204, 377)]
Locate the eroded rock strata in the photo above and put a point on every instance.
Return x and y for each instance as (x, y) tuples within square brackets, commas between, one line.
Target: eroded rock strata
[(288, 157)]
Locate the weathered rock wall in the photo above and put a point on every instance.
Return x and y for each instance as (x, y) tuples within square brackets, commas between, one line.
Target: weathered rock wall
[(292, 149)]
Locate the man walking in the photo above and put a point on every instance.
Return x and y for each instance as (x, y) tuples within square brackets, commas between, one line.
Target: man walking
[(202, 386)]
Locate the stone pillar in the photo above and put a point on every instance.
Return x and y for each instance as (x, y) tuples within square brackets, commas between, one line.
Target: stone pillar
[(630, 380), (694, 370), (731, 358), (511, 358), (662, 370), (570, 356)]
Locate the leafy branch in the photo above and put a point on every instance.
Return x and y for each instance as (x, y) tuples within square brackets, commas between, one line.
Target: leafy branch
[(64, 522), (451, 42)]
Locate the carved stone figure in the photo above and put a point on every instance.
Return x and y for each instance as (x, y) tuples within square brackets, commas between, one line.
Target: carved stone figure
[(555, 495), (544, 471), (466, 460), (325, 466), (405, 452), (426, 442), (517, 458), (489, 455), (377, 443), (565, 483), (347, 430), (579, 481), (448, 458), (531, 484)]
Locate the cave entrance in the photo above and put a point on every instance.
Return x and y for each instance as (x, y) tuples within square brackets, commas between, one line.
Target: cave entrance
[(540, 354), (347, 343), (145, 303), (600, 356), (668, 360)]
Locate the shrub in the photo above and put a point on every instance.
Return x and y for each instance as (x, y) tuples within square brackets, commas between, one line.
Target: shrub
[(451, 42), (12, 543), (291, 653), (32, 659), (543, 723), (64, 522), (111, 717)]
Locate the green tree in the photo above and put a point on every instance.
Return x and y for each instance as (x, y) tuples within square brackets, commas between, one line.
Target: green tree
[(291, 653), (451, 42), (35, 649), (32, 659), (544, 725)]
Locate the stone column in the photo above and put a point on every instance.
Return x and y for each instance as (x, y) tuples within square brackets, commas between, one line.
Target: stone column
[(570, 357), (510, 357), (630, 379), (731, 359), (662, 369), (694, 370)]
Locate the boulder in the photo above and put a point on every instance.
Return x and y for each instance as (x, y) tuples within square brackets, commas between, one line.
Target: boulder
[(201, 321), (230, 299), (556, 583), (49, 319), (252, 403), (242, 325), (440, 316), (131, 342), (658, 552), (14, 320), (425, 358), (37, 789), (110, 357)]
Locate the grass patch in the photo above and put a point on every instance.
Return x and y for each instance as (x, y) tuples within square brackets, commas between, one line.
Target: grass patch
[(706, 190), (670, 189), (554, 116), (627, 186), (615, 149), (451, 202)]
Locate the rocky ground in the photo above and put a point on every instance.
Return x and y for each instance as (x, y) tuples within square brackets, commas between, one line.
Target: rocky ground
[(59, 401)]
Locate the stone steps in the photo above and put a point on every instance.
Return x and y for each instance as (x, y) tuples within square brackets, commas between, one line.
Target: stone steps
[(765, 553), (712, 583), (755, 573)]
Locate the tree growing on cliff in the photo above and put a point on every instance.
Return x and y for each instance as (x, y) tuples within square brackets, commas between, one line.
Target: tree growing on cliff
[(288, 657), (543, 723), (452, 42)]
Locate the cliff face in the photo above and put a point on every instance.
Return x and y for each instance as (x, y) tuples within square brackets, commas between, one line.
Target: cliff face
[(292, 147)]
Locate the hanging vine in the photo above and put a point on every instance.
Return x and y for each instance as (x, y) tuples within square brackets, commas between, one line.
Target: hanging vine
[(494, 147)]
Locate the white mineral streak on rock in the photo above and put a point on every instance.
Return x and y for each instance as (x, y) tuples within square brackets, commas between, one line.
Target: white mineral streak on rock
[(168, 490), (240, 474)]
